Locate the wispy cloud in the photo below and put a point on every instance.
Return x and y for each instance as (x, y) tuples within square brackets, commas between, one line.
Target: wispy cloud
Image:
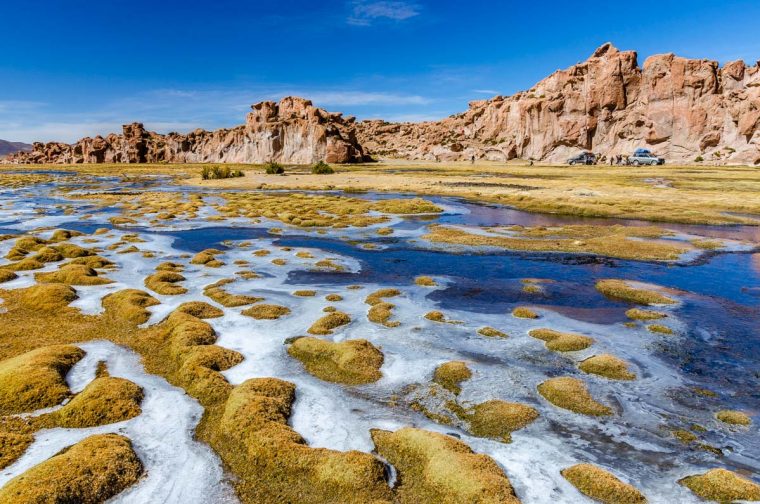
[(182, 110), (490, 92), (364, 13)]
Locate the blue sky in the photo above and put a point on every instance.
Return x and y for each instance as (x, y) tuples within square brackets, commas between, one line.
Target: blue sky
[(70, 68)]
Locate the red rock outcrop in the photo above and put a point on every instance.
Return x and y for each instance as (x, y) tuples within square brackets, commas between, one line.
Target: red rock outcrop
[(291, 131), (680, 108)]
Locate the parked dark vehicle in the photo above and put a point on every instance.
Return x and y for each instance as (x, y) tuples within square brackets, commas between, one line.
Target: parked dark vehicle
[(645, 157), (586, 158)]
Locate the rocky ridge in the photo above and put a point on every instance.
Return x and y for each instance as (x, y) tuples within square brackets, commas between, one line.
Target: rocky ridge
[(681, 108), (290, 131)]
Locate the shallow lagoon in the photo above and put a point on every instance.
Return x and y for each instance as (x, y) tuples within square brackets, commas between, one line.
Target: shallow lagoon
[(717, 345)]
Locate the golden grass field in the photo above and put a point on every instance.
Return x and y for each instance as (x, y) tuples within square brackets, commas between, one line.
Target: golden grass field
[(694, 194)]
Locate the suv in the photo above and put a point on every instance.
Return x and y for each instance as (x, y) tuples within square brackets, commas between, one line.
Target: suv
[(645, 157), (587, 158)]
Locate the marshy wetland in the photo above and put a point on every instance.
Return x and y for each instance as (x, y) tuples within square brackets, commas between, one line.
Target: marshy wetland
[(224, 341)]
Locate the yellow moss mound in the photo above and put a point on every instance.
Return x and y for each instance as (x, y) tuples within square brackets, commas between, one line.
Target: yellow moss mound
[(36, 379), (331, 321), (406, 206), (733, 417), (721, 485), (435, 316), (266, 311), (7, 275), (90, 472), (48, 254), (27, 264), (381, 313), (378, 296), (659, 328), (639, 314), (129, 304), (170, 266), (602, 485), (523, 312), (333, 298), (71, 251), (619, 289), (165, 282), (200, 309), (224, 298), (490, 332), (73, 274), (562, 342), (450, 375), (608, 366), (208, 258), (433, 467), (94, 261), (572, 394), (352, 362), (12, 446), (499, 419), (277, 464), (105, 400), (425, 281), (46, 297), (305, 293)]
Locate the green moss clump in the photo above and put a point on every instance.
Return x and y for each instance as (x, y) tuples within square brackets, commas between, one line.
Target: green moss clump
[(73, 274), (571, 394), (434, 467), (105, 400), (639, 314), (266, 311), (36, 379), (91, 471), (490, 332), (200, 309), (276, 463), (562, 342), (721, 485), (523, 312), (129, 304), (352, 362), (659, 328), (165, 282), (450, 375), (608, 366), (326, 324), (7, 275), (620, 290), (602, 485), (498, 419), (733, 417)]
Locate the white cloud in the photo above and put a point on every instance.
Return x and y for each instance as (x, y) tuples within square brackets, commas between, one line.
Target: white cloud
[(365, 12), (491, 92)]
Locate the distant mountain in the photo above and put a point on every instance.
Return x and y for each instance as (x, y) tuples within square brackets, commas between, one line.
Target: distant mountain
[(7, 147)]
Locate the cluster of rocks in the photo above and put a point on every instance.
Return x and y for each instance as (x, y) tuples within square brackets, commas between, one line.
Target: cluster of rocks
[(291, 131), (681, 108), (684, 109)]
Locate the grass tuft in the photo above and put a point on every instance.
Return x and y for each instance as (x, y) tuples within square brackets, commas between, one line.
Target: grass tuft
[(352, 362), (620, 290), (326, 324), (266, 311), (571, 394), (562, 342), (608, 366), (722, 485), (451, 374), (602, 485)]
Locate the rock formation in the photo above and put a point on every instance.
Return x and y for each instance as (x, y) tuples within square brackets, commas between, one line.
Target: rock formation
[(677, 107), (683, 109), (291, 131), (7, 147)]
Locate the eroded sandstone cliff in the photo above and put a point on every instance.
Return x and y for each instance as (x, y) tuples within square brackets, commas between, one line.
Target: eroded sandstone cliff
[(680, 108), (291, 131)]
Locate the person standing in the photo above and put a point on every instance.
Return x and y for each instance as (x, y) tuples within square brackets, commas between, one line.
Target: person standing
[(472, 159)]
